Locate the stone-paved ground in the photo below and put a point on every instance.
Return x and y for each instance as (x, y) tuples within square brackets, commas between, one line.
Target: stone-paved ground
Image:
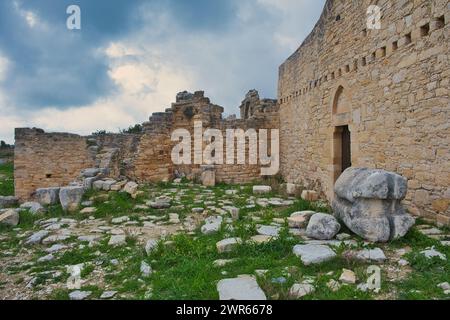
[(110, 244)]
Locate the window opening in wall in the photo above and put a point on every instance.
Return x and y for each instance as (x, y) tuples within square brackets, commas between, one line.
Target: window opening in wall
[(425, 30), (440, 22), (394, 45), (408, 39)]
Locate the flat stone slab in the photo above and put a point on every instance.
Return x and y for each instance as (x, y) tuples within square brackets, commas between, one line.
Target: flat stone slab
[(117, 240), (212, 225), (260, 239), (79, 295), (299, 290), (228, 245), (269, 231), (241, 288), (108, 294), (37, 237), (313, 254), (376, 255), (261, 189)]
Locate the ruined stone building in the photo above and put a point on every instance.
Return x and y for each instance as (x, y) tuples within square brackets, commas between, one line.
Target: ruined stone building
[(350, 96), (56, 159)]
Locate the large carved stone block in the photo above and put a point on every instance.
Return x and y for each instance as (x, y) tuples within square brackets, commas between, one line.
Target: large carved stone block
[(368, 201)]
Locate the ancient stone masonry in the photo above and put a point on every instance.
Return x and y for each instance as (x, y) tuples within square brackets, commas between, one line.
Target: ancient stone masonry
[(45, 160), (378, 99)]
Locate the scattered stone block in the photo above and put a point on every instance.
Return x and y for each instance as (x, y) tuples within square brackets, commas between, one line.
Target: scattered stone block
[(262, 189), (227, 245), (117, 240), (47, 196), (271, 231), (10, 218), (299, 290), (241, 288), (70, 197), (374, 255), (368, 202), (313, 254), (8, 201), (348, 276), (322, 226), (131, 188), (212, 225), (79, 295)]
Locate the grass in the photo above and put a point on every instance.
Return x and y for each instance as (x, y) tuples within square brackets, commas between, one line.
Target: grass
[(185, 268), (7, 179)]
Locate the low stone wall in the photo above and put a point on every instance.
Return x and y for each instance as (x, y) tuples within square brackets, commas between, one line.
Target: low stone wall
[(56, 159), (48, 160)]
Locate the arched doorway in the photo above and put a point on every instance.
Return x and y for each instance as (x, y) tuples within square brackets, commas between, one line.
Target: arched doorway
[(342, 137)]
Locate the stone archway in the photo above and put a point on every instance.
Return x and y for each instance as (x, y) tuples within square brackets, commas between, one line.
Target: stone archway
[(342, 137)]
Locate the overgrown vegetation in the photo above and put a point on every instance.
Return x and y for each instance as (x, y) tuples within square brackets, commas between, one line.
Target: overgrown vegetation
[(183, 264), (7, 179)]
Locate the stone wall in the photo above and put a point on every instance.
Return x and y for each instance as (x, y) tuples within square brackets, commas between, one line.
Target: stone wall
[(48, 159), (55, 159), (389, 86)]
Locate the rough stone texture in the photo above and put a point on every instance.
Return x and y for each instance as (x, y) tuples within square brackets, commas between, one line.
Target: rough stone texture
[(322, 226), (7, 201), (299, 290), (79, 295), (375, 255), (313, 254), (55, 159), (227, 245), (271, 231), (241, 288), (368, 202), (43, 160), (47, 196), (261, 189), (212, 225), (297, 221), (208, 176), (33, 207), (131, 187), (70, 197), (390, 90), (10, 217)]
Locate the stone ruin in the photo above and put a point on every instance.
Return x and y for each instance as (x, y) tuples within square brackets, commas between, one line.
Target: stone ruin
[(45, 162), (368, 201)]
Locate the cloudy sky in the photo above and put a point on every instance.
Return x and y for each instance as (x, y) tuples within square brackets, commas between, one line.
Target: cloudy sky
[(130, 58)]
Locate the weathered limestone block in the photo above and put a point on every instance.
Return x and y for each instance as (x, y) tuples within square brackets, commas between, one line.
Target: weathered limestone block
[(131, 187), (10, 217), (33, 207), (7, 201), (241, 288), (322, 226), (70, 197), (90, 172), (47, 196), (208, 176), (368, 202), (291, 188)]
